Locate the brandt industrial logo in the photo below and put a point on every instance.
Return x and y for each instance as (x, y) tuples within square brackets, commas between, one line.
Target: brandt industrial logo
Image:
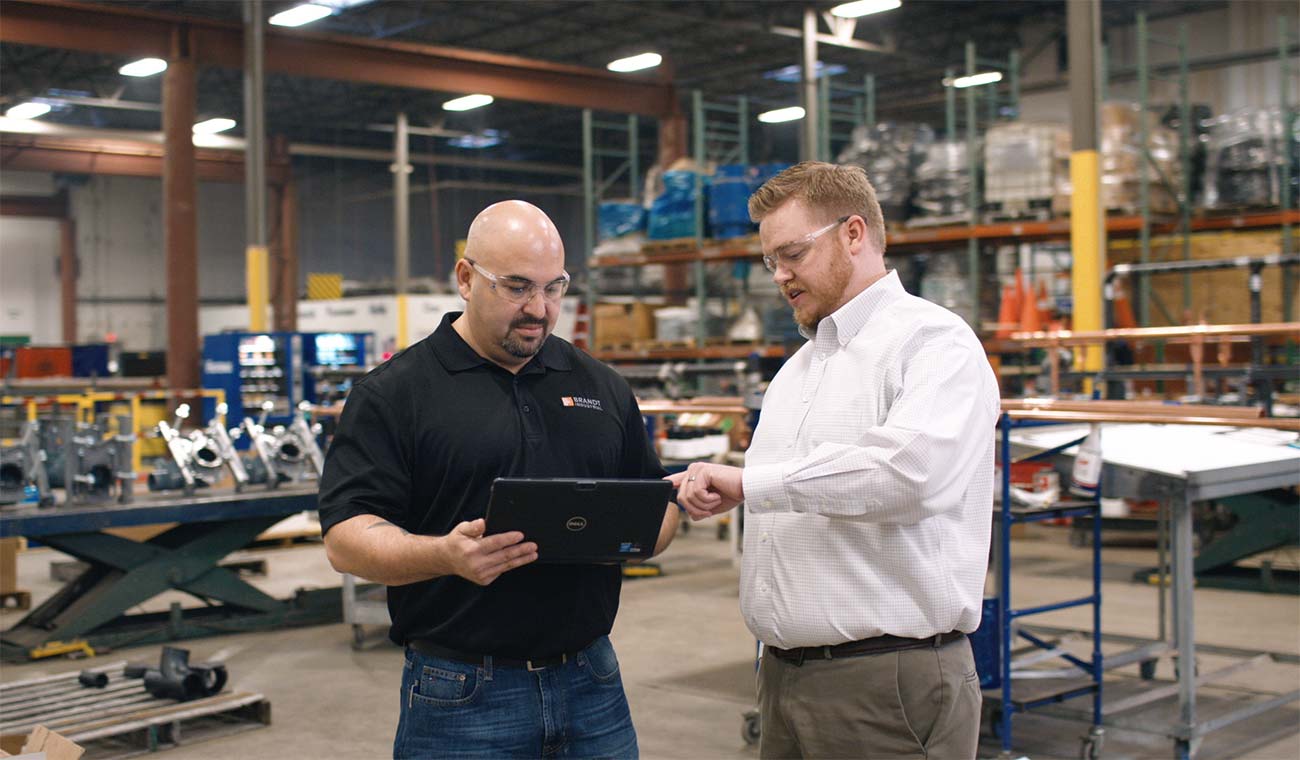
[(576, 524), (581, 401)]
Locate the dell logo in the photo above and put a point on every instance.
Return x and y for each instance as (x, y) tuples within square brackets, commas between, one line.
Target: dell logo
[(576, 524)]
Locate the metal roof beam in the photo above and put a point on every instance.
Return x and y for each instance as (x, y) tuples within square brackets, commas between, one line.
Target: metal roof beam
[(127, 32)]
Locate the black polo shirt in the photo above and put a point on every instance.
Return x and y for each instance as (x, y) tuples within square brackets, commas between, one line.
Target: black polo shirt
[(419, 442)]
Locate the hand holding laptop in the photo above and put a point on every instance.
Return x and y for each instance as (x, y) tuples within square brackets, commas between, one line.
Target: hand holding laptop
[(481, 559)]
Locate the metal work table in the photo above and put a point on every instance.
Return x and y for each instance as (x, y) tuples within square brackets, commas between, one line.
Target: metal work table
[(123, 573), (1179, 465)]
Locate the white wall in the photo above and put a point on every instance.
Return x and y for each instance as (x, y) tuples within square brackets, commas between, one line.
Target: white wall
[(29, 257), (1238, 26)]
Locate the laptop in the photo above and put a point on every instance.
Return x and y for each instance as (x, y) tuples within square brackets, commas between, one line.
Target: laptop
[(578, 520)]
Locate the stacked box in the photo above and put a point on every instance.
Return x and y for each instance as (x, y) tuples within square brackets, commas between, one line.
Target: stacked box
[(1121, 162), (1026, 165), (621, 324)]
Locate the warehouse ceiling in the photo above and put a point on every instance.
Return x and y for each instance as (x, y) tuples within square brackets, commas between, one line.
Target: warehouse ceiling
[(722, 48)]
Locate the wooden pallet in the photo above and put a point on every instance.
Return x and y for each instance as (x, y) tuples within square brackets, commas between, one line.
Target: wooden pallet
[(676, 245), (122, 719)]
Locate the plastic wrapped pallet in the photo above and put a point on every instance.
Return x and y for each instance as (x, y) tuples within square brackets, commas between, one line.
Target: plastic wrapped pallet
[(1245, 155), (1026, 165), (728, 202), (943, 182), (890, 153), (672, 215), (617, 218), (1121, 162)]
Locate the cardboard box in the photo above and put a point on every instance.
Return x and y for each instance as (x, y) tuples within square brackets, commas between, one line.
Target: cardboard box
[(9, 564), (40, 743), (619, 324)]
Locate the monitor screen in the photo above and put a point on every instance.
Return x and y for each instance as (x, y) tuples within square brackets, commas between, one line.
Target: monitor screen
[(338, 349)]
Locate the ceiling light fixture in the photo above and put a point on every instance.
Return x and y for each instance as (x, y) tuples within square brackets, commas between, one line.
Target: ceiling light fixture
[(213, 126), (28, 110), (792, 113), (145, 67), (975, 80), (635, 62), (860, 8), (467, 102), (300, 15)]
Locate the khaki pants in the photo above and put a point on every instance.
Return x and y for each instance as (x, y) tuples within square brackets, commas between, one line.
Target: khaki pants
[(912, 703)]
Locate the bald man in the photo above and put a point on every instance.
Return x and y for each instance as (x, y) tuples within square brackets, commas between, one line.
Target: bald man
[(504, 658)]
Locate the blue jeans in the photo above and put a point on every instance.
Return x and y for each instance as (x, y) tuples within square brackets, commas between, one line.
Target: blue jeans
[(574, 710)]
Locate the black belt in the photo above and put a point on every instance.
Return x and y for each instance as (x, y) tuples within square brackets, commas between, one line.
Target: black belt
[(426, 647), (875, 645)]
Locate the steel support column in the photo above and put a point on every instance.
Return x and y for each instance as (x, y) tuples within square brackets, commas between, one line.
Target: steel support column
[(180, 193), (68, 279), (255, 240), (808, 87), (284, 261), (401, 224), (1087, 230)]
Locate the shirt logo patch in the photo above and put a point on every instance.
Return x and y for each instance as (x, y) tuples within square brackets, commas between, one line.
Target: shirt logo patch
[(581, 401)]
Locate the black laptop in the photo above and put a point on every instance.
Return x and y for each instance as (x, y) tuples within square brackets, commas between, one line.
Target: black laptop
[(576, 520)]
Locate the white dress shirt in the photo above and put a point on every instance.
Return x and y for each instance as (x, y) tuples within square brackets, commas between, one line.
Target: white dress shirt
[(869, 481)]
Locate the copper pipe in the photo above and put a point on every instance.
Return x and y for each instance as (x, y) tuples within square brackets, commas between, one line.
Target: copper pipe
[(1132, 407), (1082, 338), (1275, 423)]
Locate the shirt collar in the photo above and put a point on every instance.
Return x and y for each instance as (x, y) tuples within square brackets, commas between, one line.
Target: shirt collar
[(848, 320), (455, 354)]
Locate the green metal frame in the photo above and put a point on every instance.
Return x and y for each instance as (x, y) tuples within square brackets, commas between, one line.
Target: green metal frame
[(595, 185), (123, 574)]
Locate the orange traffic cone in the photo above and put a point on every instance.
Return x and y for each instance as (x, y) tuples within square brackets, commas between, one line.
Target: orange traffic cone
[(1029, 321), (1006, 313), (581, 328), (1046, 306)]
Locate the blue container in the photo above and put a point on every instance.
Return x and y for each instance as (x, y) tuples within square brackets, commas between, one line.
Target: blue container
[(761, 173), (619, 218), (986, 644), (729, 202), (673, 214), (90, 360)]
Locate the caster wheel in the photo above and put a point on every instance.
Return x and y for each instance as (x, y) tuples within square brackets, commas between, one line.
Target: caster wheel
[(1091, 748), (358, 636), (751, 730), (1147, 669), (722, 531)]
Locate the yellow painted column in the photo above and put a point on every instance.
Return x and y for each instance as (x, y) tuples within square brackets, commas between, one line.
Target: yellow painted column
[(1088, 244), (403, 336), (255, 279)]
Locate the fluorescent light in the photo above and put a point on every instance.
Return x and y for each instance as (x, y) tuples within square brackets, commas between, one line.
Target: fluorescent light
[(636, 62), (213, 126), (486, 139), (467, 102), (300, 14), (794, 72), (861, 8), (145, 67), (793, 113), (975, 80), (28, 110)]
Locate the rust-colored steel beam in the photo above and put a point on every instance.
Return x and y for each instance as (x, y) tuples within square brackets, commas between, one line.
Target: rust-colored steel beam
[(129, 32), (35, 206), (68, 271), (1275, 423), (121, 158), (180, 218), (1084, 338)]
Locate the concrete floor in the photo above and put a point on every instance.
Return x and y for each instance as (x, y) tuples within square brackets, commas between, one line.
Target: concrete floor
[(687, 659)]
